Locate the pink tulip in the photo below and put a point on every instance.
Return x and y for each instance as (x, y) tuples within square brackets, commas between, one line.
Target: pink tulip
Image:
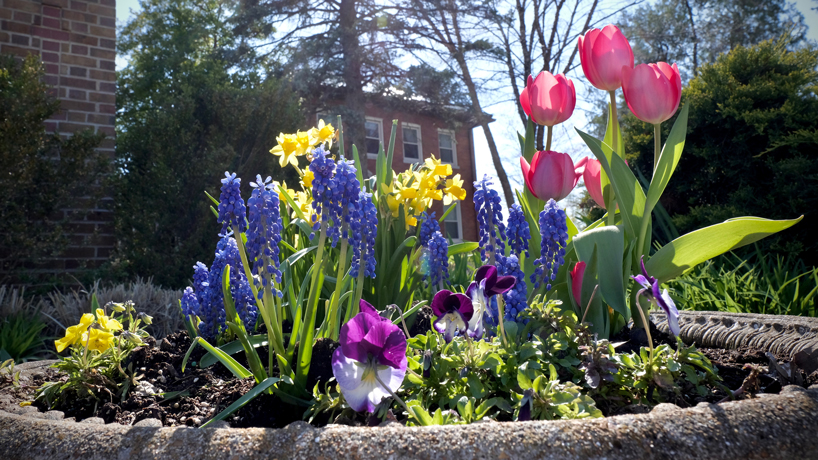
[(577, 274), (551, 174), (603, 53), (652, 91), (593, 181), (548, 100)]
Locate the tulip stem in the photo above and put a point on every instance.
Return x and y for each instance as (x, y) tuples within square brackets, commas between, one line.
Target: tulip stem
[(615, 123), (548, 137), (657, 144)]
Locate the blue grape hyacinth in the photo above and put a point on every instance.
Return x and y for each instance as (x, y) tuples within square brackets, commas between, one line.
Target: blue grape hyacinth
[(438, 259), (489, 209), (264, 234), (554, 232), (344, 191), (232, 212), (428, 226), (517, 231), (364, 229), (323, 169), (516, 299)]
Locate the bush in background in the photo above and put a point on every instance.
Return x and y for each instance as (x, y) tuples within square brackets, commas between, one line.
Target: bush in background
[(42, 174)]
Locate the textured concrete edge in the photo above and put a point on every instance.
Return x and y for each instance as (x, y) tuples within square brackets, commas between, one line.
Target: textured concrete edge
[(775, 426)]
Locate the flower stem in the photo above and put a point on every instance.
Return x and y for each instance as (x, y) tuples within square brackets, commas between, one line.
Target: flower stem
[(615, 122), (339, 284), (646, 324), (657, 144), (392, 393), (548, 136), (501, 313)]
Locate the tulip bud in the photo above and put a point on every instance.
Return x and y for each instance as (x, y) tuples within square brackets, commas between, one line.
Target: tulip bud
[(548, 100), (652, 91), (551, 175), (577, 275), (593, 181), (603, 53)]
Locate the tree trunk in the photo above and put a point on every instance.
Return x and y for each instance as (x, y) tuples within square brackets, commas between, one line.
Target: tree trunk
[(484, 123), (353, 110)]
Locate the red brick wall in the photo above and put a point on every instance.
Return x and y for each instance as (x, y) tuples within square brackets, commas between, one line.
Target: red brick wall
[(429, 141), (76, 41)]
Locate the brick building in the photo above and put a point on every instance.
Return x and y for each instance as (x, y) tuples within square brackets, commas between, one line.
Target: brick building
[(76, 41), (424, 130)]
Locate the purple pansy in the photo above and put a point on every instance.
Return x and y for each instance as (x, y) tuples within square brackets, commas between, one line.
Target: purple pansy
[(650, 289), (486, 284), (372, 348), (453, 313)]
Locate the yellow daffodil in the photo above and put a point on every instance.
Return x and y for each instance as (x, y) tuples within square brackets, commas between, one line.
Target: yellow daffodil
[(98, 339), (74, 333), (324, 133), (437, 168), (306, 181), (454, 190), (304, 202), (282, 187), (286, 149), (305, 142)]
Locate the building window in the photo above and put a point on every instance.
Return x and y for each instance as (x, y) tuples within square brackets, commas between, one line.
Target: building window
[(374, 136), (452, 224), (448, 147), (412, 151)]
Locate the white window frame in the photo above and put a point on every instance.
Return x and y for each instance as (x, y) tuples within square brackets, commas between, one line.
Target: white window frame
[(450, 133), (416, 127), (456, 213), (379, 121)]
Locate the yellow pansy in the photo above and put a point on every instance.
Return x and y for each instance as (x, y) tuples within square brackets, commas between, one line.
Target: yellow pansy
[(109, 324), (286, 149), (454, 190), (306, 181), (74, 333), (98, 340)]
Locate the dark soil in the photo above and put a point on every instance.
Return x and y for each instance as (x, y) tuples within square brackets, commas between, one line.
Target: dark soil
[(206, 392)]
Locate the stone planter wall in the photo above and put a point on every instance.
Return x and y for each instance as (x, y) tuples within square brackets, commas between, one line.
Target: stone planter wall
[(771, 426)]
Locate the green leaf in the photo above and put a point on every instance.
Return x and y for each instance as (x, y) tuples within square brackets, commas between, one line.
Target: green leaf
[(668, 159), (358, 166), (239, 403), (232, 348), (460, 248), (691, 249), (215, 201), (610, 244), (231, 364), (390, 153), (629, 193)]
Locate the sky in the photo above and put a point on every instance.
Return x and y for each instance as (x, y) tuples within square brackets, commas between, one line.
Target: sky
[(505, 128)]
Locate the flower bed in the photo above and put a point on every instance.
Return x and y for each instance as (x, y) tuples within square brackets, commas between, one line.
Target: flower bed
[(306, 309)]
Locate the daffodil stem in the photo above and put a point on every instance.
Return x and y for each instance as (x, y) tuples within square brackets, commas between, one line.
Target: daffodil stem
[(548, 136)]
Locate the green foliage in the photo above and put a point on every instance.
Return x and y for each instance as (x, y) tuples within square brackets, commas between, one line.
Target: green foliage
[(20, 337), (186, 114), (8, 375), (780, 286), (750, 144), (94, 366), (42, 174)]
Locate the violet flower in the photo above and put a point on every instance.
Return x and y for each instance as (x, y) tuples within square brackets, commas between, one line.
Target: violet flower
[(486, 284), (372, 355), (453, 313), (650, 289)]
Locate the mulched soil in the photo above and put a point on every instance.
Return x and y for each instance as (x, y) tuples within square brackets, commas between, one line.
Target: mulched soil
[(206, 392)]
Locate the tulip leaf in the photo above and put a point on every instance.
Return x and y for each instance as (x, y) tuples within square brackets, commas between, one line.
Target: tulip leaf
[(239, 403), (691, 249), (629, 193), (460, 248), (668, 159), (610, 143), (359, 168), (609, 242)]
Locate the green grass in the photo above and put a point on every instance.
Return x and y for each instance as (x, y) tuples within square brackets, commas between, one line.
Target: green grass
[(757, 285)]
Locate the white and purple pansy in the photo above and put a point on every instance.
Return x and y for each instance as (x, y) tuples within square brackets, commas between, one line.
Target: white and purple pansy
[(372, 355), (453, 313), (486, 284), (650, 290)]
